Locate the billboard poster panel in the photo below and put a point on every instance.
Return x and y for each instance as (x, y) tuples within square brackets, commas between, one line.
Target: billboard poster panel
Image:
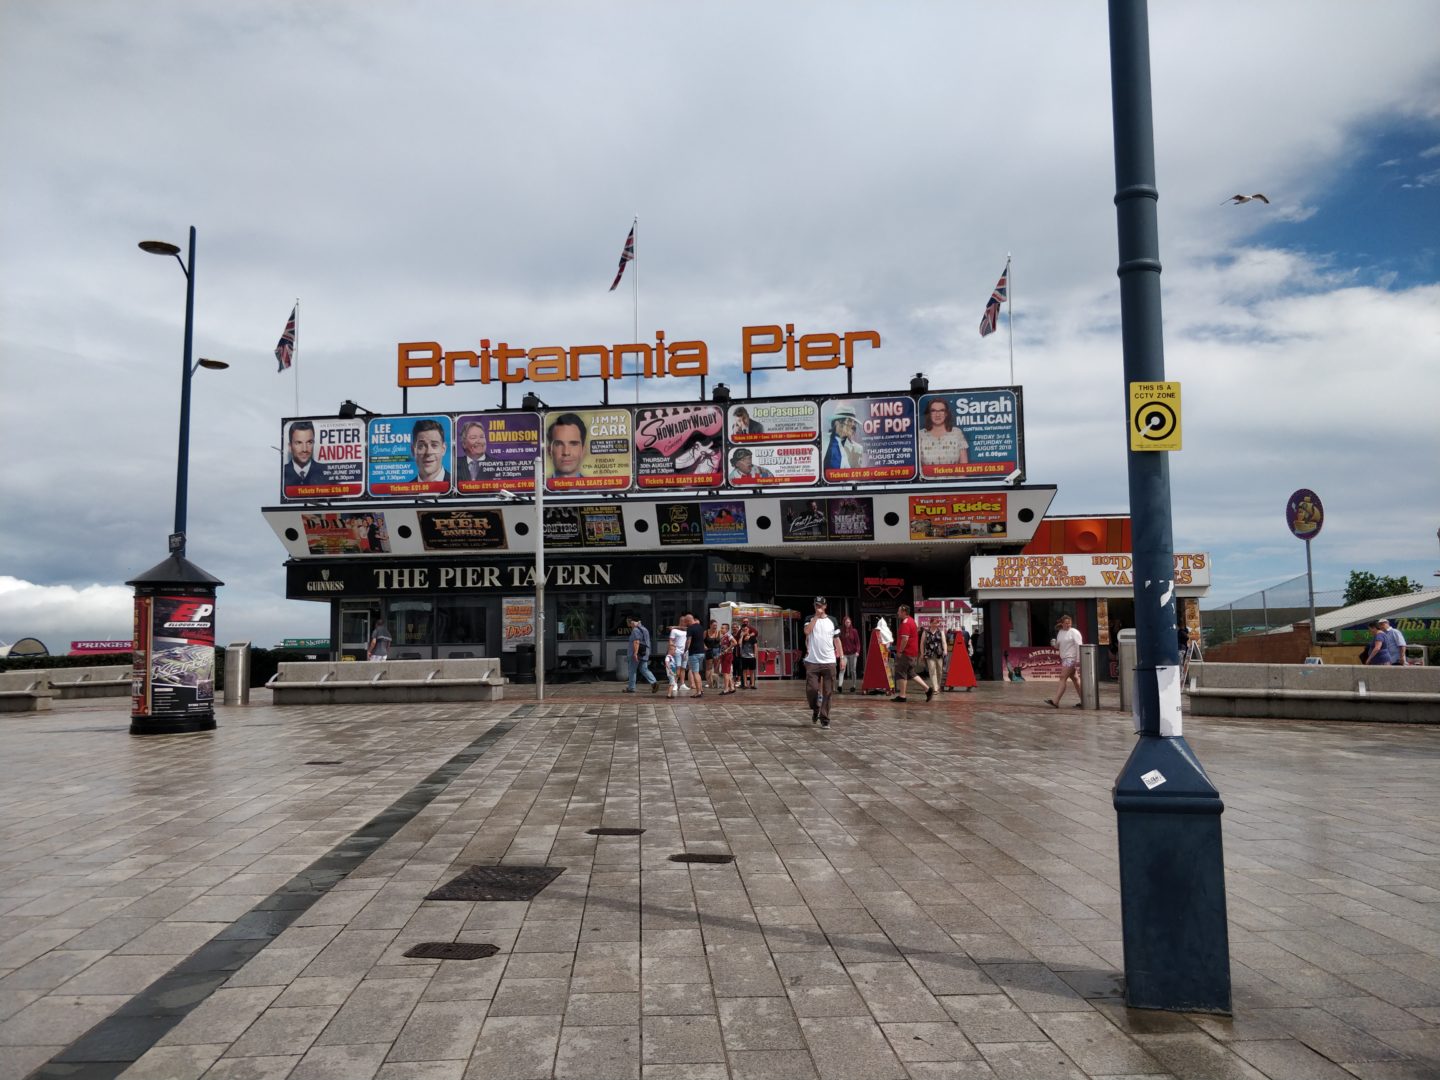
[(957, 517), (851, 518), (462, 530), (322, 459), (868, 439), (182, 655), (723, 523), (587, 450), (679, 446), (804, 521), (755, 422), (972, 434), (679, 523), (766, 466), (517, 622), (346, 534), (495, 452), (584, 527), (409, 455)]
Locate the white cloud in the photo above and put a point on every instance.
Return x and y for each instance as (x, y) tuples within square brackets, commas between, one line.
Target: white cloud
[(456, 170), (59, 614)]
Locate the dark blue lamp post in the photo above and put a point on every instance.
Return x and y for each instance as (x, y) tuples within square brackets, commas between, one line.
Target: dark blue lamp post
[(174, 637), (1172, 868)]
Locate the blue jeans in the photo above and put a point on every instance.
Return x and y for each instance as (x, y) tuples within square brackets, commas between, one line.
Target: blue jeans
[(643, 667)]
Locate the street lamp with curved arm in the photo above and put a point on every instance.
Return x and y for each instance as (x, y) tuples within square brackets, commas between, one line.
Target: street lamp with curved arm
[(182, 469)]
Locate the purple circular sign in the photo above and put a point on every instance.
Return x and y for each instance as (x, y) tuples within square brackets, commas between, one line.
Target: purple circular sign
[(1304, 514)]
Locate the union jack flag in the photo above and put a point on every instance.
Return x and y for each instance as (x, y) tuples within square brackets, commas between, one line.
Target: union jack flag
[(625, 256), (289, 341), (998, 297)]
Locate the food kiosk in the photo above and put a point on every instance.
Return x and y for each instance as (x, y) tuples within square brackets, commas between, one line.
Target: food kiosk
[(778, 651)]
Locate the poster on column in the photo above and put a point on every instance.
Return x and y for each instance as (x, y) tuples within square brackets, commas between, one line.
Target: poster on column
[(495, 452), (970, 434), (409, 455), (587, 450), (182, 655), (867, 439), (322, 459), (517, 622), (679, 446)]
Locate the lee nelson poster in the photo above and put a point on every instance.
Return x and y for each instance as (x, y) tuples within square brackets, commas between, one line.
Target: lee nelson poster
[(868, 438), (587, 450), (495, 452), (410, 455), (323, 459), (679, 447), (973, 434)]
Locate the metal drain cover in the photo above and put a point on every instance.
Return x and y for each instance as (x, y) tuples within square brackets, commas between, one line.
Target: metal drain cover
[(323, 763), (702, 857), (497, 883), (450, 950), (614, 832)]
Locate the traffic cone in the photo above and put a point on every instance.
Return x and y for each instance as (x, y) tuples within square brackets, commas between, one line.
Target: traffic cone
[(960, 673), (877, 675)]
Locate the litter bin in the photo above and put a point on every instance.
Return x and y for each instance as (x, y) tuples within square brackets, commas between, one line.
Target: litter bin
[(1089, 676), (524, 663), (237, 673), (1126, 641)]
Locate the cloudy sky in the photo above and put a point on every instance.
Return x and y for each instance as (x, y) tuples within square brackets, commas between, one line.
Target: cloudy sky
[(449, 171)]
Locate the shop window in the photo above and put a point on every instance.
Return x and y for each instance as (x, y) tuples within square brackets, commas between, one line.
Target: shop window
[(461, 621), (411, 622), (1020, 624), (1045, 614), (578, 616)]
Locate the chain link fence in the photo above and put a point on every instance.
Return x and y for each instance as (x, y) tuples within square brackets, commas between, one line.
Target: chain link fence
[(1277, 607)]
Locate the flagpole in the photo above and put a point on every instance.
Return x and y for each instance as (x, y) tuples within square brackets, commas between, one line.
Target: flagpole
[(1010, 314), (297, 356), (635, 291)]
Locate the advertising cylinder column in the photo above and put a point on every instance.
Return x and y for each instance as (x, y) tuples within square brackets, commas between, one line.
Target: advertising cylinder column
[(173, 672)]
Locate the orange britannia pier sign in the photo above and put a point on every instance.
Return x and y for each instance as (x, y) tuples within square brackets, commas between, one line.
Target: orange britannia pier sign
[(427, 363)]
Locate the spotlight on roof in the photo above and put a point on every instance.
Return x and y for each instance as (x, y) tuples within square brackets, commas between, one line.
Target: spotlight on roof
[(919, 384), (721, 394)]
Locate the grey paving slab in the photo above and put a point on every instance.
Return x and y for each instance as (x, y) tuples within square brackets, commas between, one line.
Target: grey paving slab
[(933, 895)]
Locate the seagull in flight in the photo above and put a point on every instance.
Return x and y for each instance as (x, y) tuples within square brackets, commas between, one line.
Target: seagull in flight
[(1236, 200)]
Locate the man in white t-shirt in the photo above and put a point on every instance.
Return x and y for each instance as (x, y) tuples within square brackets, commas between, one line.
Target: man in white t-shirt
[(1067, 640), (822, 650)]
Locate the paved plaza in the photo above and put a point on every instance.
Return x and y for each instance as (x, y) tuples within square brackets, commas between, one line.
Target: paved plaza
[(925, 892)]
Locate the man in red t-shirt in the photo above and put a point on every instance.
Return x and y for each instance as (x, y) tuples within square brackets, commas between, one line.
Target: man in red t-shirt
[(907, 653)]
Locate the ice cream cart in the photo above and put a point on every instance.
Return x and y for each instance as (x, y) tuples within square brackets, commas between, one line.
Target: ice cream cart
[(777, 650)]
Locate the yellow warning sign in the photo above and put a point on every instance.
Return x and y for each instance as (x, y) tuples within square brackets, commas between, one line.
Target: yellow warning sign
[(1154, 416)]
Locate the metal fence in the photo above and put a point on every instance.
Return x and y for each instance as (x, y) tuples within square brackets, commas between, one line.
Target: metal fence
[(1277, 607)]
